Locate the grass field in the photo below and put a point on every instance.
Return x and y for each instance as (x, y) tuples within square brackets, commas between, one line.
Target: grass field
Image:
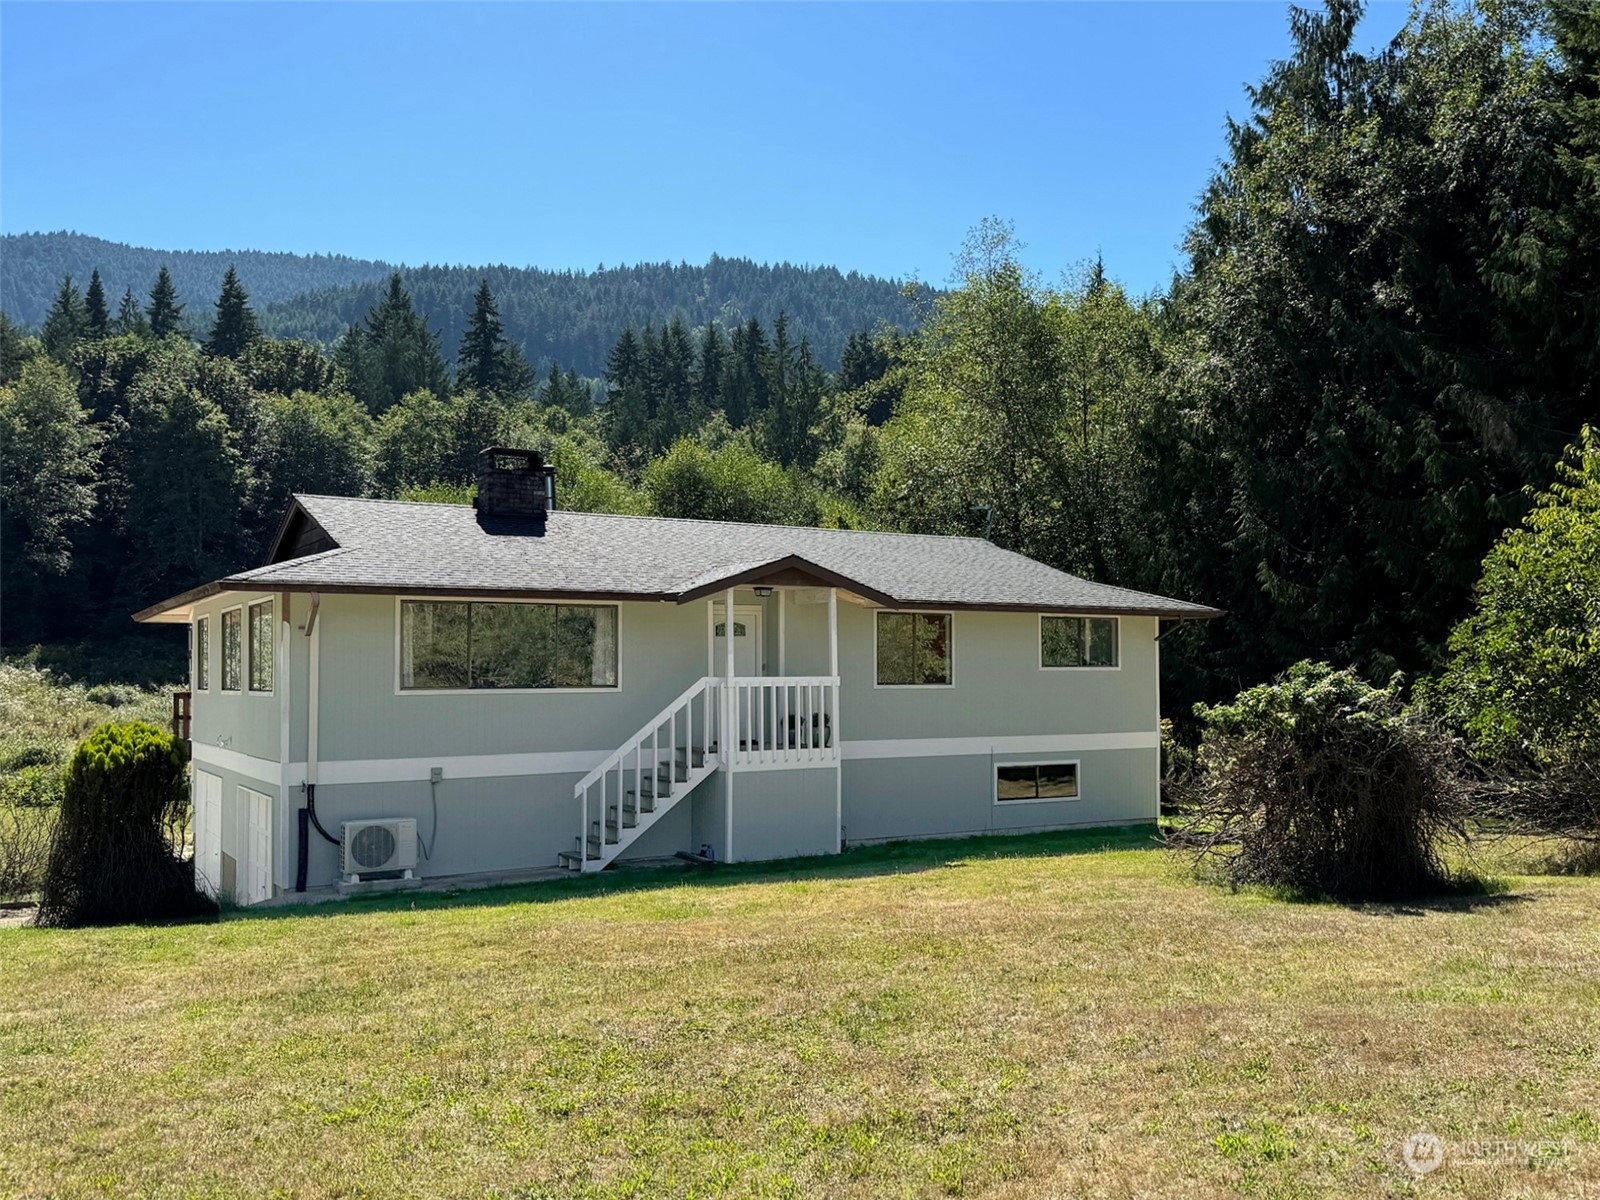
[(1042, 1016)]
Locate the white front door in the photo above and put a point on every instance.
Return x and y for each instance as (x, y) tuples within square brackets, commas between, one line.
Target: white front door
[(205, 793), (255, 883), (746, 640)]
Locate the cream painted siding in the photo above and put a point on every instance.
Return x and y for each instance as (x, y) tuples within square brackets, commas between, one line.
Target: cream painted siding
[(243, 721), (917, 762), (999, 688), (661, 651)]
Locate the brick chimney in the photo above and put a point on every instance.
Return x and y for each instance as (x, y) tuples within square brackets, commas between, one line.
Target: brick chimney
[(514, 485)]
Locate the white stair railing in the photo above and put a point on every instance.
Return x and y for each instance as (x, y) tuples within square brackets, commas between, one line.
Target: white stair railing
[(663, 762)]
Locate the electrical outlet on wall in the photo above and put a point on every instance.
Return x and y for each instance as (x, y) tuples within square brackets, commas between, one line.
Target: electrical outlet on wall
[(435, 774)]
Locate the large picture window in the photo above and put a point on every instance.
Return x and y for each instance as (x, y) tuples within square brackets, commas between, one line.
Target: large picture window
[(261, 646), (1036, 781), (1078, 641), (232, 649), (202, 654), (458, 645), (913, 649)]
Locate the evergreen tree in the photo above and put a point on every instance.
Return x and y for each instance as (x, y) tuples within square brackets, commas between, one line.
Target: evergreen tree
[(744, 383), (627, 415), (16, 351), (130, 318), (674, 400), (862, 361), (708, 373), (392, 353), (235, 325), (486, 359), (65, 324), (1382, 378), (97, 316), (164, 313)]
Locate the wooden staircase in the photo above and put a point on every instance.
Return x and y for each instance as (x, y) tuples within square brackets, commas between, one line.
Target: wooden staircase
[(645, 777)]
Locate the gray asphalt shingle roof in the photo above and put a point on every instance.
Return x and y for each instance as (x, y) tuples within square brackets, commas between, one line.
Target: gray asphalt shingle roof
[(400, 546)]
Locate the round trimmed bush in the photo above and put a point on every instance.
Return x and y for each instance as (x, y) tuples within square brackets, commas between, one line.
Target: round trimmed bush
[(111, 859)]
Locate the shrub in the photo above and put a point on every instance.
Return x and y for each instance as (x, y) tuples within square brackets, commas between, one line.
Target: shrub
[(111, 859), (24, 850), (1323, 785), (1523, 682)]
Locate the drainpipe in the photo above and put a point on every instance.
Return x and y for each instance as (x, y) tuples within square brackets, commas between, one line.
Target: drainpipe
[(308, 814), (730, 729)]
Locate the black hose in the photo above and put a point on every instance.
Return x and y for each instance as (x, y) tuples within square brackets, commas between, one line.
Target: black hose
[(311, 808), (304, 816)]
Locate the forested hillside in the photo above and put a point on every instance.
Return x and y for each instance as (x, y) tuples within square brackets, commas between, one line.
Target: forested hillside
[(1387, 331), (572, 317), (569, 317), (32, 264)]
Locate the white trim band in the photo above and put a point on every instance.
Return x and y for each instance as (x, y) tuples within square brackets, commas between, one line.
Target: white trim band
[(1069, 743), (262, 770)]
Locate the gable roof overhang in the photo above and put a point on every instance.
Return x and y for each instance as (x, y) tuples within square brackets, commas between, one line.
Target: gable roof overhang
[(789, 570)]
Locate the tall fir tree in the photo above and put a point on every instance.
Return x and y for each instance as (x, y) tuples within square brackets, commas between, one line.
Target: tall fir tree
[(392, 353), (97, 317), (130, 317), (164, 313), (235, 325), (487, 359), (65, 324), (708, 372), (627, 415)]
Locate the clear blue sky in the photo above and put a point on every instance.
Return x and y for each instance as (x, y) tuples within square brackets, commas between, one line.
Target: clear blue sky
[(867, 136)]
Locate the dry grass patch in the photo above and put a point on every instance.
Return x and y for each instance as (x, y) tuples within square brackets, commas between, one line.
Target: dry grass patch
[(1008, 1018)]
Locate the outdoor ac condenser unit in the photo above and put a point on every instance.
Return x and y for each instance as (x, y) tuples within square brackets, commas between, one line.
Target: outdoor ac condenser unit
[(375, 847)]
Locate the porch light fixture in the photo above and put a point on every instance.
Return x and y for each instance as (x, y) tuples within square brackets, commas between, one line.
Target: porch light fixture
[(763, 592)]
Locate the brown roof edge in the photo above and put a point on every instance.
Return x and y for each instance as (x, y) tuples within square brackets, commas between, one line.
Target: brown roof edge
[(789, 562), (206, 590)]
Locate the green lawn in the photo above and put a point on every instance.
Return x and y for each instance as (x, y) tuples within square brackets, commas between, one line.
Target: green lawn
[(1027, 1017)]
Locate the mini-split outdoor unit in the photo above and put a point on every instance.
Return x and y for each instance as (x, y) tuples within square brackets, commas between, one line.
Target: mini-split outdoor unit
[(377, 847)]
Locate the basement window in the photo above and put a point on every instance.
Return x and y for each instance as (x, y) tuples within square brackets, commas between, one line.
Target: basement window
[(261, 646), (1028, 782), (1078, 642), (456, 646)]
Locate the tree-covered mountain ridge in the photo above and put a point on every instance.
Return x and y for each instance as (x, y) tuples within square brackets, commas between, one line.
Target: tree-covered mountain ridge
[(569, 317)]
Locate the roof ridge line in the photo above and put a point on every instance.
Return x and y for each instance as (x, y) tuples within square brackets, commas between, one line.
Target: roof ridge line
[(943, 537)]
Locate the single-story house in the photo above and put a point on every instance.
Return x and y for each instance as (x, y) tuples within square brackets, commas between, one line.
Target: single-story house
[(442, 690)]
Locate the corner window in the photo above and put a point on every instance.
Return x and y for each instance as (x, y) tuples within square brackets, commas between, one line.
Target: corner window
[(1036, 781), (261, 646), (202, 654), (232, 649), (449, 645), (913, 649), (1078, 641)]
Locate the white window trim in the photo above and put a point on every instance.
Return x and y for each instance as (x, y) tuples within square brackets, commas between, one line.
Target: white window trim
[(577, 601), (200, 672), (1075, 764), (244, 651), (915, 687), (249, 654), (1083, 617)]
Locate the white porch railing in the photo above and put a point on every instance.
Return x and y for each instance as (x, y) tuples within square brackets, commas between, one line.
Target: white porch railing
[(783, 720)]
